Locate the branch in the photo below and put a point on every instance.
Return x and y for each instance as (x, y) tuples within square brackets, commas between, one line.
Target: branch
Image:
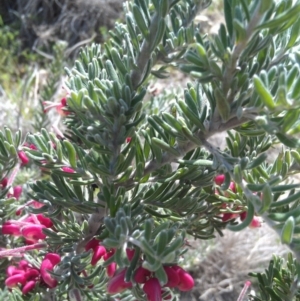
[(238, 49), (187, 147), (145, 53)]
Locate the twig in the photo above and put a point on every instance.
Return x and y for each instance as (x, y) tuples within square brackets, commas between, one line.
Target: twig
[(187, 147), (12, 252), (79, 44)]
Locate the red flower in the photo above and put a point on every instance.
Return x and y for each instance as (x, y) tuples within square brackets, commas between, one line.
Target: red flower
[(12, 270), (44, 220), (173, 277), (4, 182), (111, 268), (232, 187), (33, 232), (28, 287), (61, 106), (219, 179), (17, 192), (63, 101), (99, 252), (68, 169), (141, 275), (32, 274), (228, 216), (13, 280), (50, 260), (11, 229), (24, 275), (255, 223), (152, 290), (186, 281), (92, 244), (130, 253), (128, 139), (23, 157), (58, 106), (117, 284)]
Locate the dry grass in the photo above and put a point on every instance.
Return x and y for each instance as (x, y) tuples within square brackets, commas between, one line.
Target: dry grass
[(76, 21), (221, 274)]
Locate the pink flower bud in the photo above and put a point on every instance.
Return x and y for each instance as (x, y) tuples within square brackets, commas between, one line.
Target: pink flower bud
[(32, 274), (130, 253), (228, 216), (232, 187), (23, 157), (128, 139), (36, 204), (117, 284), (99, 251), (12, 229), (109, 254), (68, 169), (44, 220), (33, 232), (255, 223), (219, 179), (60, 107), (50, 260), (173, 277), (152, 290), (186, 282), (13, 280), (111, 269), (19, 210), (12, 270), (92, 244), (141, 275), (63, 101), (32, 146), (53, 257), (4, 182), (17, 192), (28, 287), (23, 264)]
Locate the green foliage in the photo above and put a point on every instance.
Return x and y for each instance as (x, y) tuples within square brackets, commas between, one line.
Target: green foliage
[(141, 175), (279, 281)]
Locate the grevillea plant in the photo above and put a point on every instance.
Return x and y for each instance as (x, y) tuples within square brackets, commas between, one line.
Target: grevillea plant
[(131, 176)]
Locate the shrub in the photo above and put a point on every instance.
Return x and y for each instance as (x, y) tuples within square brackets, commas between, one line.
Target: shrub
[(131, 176)]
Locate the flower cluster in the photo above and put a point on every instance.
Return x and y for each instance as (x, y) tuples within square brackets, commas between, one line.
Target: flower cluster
[(59, 106), (29, 226), (177, 278), (23, 158), (255, 223), (29, 277), (99, 251)]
